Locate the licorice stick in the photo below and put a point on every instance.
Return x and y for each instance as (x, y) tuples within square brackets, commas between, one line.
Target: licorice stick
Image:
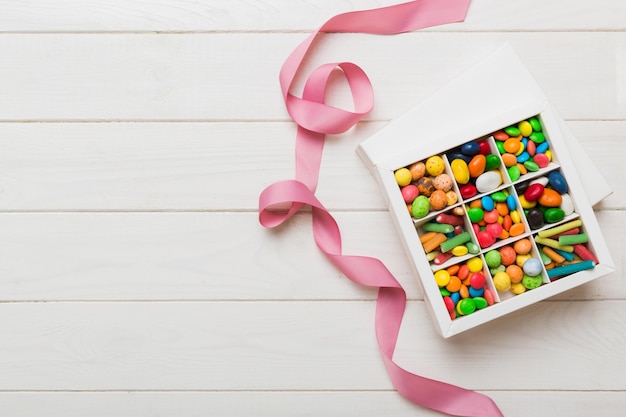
[(560, 271)]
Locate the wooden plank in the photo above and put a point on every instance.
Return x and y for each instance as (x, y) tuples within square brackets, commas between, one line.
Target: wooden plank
[(214, 256), (206, 166), (189, 77), (287, 15), (271, 404), (281, 346)]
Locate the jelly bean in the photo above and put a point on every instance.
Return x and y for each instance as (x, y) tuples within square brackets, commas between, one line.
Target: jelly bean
[(514, 172), (403, 177), (532, 267), (541, 160), (484, 147), (512, 131), (487, 203), (468, 191), (557, 181), (409, 193), (493, 258), (420, 207), (553, 215), (531, 166), (511, 203), (442, 278), (435, 165), (535, 124), (533, 192), (488, 181), (460, 171), (525, 203), (461, 156), (550, 198), (477, 165), (475, 214), (567, 205), (470, 148), (418, 170), (515, 216), (537, 137), (492, 162), (502, 208)]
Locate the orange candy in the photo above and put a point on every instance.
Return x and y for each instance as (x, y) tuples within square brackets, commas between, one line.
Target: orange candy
[(502, 209), (522, 246), (550, 198), (453, 270), (516, 230), (511, 145), (454, 285), (477, 165), (508, 255), (509, 159), (515, 272)]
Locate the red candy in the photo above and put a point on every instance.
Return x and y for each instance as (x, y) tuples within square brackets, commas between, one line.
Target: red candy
[(533, 192), (494, 229), (485, 239), (468, 191), (484, 147), (477, 280), (541, 160)]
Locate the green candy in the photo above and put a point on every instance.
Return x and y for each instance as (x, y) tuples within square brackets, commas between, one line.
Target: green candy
[(499, 268), (498, 197), (537, 137), (553, 215), (493, 258), (420, 207), (531, 165), (467, 306), (455, 241), (493, 162), (472, 247), (530, 283), (475, 214), (514, 173), (535, 124), (500, 146), (444, 292), (438, 227), (512, 131), (480, 302)]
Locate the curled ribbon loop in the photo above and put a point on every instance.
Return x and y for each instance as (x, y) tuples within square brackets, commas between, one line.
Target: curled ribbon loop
[(315, 120)]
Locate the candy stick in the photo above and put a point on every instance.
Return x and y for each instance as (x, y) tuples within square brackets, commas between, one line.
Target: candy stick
[(584, 253), (553, 255), (545, 258), (560, 271), (455, 241), (574, 231), (560, 229), (568, 256), (427, 236), (449, 219), (574, 239), (434, 242), (442, 258), (553, 244), (436, 227)]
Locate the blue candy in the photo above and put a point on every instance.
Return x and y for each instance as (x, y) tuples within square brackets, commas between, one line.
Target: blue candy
[(511, 203), (557, 182), (487, 203), (470, 148)]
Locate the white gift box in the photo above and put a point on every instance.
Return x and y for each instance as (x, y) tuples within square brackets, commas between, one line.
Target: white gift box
[(496, 93)]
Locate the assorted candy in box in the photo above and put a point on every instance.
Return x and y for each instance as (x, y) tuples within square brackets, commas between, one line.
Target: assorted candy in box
[(494, 218)]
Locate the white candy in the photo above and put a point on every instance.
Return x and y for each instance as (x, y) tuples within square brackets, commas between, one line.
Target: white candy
[(488, 181), (567, 205)]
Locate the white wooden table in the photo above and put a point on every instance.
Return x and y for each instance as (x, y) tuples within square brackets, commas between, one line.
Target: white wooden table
[(135, 279)]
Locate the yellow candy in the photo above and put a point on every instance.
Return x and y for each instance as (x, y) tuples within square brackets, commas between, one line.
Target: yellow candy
[(502, 281), (515, 216), (521, 149), (525, 128), (403, 177), (518, 288), (460, 171), (435, 165), (549, 154), (442, 278), (521, 259), (525, 203), (475, 265), (460, 250)]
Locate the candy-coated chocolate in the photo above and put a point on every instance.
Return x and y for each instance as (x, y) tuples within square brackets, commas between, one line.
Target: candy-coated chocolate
[(475, 265), (454, 285), (443, 182), (435, 165), (526, 204), (494, 229), (514, 172), (531, 166), (477, 280), (470, 148), (410, 193), (515, 216), (488, 181), (460, 251), (460, 171), (532, 267), (523, 157), (531, 282), (466, 306), (509, 160), (477, 165), (557, 182), (448, 303), (491, 216), (418, 170), (475, 214), (516, 229), (403, 177), (525, 128), (533, 192), (487, 203), (485, 239), (550, 198), (420, 207), (493, 258), (511, 202), (492, 162), (438, 200), (531, 148), (543, 147), (512, 145), (535, 124), (426, 186), (537, 137), (502, 281), (442, 278), (499, 196), (512, 131), (468, 191), (541, 160), (500, 135), (553, 215)]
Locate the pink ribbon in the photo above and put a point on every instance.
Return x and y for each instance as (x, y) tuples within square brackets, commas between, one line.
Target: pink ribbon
[(315, 119)]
